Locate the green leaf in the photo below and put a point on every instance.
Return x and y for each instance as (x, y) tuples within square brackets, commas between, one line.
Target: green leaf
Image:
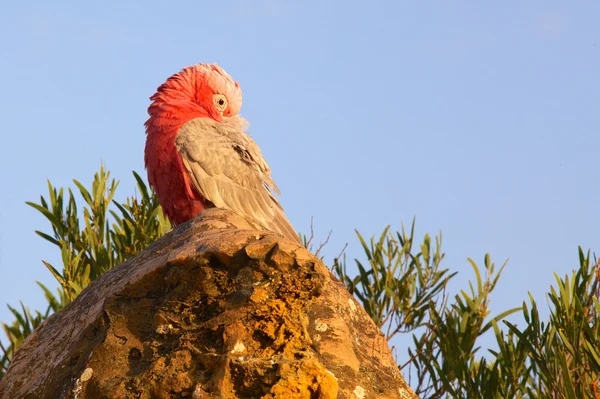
[(566, 376)]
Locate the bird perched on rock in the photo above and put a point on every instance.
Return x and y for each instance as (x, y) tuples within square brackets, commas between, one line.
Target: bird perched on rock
[(198, 155)]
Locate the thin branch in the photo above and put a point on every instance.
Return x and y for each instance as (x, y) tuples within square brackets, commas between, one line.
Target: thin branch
[(420, 349), (312, 234), (339, 256), (323, 243)]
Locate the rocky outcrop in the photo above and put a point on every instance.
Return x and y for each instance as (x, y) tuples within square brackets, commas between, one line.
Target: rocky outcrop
[(214, 309)]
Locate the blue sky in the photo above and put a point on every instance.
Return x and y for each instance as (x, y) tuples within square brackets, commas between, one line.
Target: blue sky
[(480, 119)]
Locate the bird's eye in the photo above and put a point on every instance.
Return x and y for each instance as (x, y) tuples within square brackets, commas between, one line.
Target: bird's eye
[(220, 102)]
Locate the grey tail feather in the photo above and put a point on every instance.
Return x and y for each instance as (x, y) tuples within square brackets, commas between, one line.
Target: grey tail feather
[(282, 226)]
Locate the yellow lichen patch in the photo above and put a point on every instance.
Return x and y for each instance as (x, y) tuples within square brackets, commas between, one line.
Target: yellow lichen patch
[(259, 295), (304, 380)]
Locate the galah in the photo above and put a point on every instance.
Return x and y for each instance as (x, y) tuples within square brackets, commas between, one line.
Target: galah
[(198, 155)]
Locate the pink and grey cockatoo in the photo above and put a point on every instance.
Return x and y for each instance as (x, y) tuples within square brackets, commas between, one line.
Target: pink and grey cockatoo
[(198, 155)]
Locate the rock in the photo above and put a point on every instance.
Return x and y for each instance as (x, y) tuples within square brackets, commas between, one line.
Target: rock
[(215, 309)]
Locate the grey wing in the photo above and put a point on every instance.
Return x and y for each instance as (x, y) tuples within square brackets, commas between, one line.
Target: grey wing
[(227, 168)]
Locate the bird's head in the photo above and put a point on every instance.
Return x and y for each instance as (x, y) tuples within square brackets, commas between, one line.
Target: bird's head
[(200, 90)]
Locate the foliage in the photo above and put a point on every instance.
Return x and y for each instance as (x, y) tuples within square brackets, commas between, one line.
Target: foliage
[(397, 288), (404, 291), (399, 281), (563, 352)]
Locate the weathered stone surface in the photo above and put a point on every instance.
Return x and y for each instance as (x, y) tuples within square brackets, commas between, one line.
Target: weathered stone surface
[(214, 309)]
